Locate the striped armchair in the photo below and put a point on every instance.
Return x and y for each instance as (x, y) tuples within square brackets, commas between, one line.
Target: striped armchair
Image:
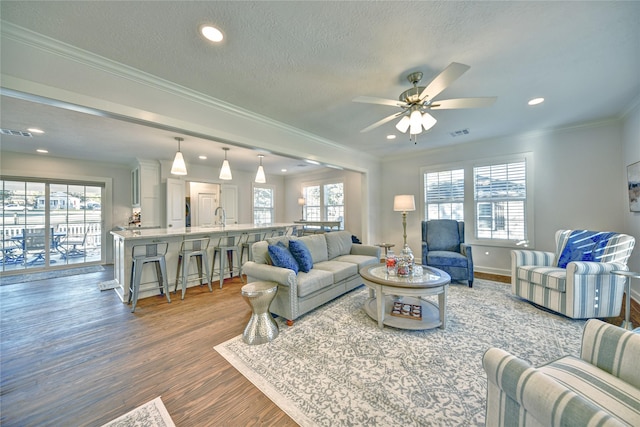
[(602, 387), (576, 279)]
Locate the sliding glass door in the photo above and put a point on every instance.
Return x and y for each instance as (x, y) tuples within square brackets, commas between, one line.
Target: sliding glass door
[(49, 224)]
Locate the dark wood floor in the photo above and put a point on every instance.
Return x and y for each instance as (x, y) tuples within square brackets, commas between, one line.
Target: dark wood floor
[(72, 355)]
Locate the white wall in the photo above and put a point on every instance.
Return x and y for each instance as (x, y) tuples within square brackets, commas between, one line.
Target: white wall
[(577, 184), (631, 154)]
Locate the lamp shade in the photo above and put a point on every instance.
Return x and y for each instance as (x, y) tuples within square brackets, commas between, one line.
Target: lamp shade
[(404, 203), (403, 124), (260, 177), (301, 201), (225, 172), (428, 121), (415, 121), (178, 167)]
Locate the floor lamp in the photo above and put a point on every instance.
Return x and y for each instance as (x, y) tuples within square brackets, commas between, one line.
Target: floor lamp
[(301, 203), (404, 203)]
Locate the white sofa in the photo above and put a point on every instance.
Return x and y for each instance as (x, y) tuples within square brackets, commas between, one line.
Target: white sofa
[(336, 270), (579, 283), (601, 387)]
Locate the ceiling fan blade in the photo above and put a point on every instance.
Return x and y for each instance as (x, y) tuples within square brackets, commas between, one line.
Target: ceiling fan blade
[(383, 121), (379, 101), (443, 80), (450, 104)]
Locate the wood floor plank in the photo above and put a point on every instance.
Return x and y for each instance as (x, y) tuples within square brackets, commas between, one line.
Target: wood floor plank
[(73, 355)]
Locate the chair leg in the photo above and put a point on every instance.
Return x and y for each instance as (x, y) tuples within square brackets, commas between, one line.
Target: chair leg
[(164, 280), (203, 260), (222, 268), (137, 277), (186, 266), (175, 288)]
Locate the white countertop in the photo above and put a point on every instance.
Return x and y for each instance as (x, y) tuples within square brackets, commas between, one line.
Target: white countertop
[(153, 233)]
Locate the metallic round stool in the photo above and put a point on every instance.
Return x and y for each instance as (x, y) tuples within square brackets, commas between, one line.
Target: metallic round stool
[(261, 327)]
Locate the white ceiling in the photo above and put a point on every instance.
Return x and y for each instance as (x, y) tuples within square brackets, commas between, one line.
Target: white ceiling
[(302, 63)]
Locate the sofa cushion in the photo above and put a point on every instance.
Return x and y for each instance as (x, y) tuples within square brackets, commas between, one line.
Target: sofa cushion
[(338, 243), (340, 270), (317, 245), (260, 251), (451, 259), (313, 281), (361, 261), (548, 277), (281, 257), (302, 255), (603, 389)]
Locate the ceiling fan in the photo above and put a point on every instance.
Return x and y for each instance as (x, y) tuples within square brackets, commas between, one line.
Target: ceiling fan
[(416, 102)]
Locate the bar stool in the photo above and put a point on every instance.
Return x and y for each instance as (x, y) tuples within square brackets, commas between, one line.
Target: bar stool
[(141, 255), (247, 240), (226, 245), (193, 248)]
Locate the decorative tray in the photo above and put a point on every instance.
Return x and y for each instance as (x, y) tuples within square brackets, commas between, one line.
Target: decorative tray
[(409, 311)]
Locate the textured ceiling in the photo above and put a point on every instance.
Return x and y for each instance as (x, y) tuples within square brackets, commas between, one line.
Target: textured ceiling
[(302, 63)]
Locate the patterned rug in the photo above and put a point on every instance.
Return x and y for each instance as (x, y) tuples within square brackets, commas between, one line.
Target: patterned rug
[(52, 274), (334, 367), (151, 414)]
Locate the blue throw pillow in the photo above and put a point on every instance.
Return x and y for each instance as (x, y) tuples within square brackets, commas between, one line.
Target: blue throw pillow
[(302, 255), (281, 257)]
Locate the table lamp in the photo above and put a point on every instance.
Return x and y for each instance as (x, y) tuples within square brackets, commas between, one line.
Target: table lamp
[(301, 203), (404, 203)]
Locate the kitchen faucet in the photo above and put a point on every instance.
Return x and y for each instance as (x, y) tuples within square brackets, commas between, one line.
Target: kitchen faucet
[(224, 215)]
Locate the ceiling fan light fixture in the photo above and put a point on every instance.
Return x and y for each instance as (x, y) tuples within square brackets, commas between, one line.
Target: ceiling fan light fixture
[(415, 122), (260, 177), (428, 121), (225, 172), (179, 167), (403, 124)]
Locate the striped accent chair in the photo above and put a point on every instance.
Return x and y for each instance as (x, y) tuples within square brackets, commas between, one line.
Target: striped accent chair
[(601, 388), (579, 289)]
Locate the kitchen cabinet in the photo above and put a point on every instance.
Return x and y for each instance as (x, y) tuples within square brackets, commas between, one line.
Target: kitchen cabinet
[(145, 192)]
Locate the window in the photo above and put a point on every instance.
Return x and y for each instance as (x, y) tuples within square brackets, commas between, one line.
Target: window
[(334, 203), (444, 195), (263, 205), (325, 205), (500, 195), (47, 223), (312, 203)]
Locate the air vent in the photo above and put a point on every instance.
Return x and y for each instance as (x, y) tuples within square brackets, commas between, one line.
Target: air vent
[(15, 133), (460, 132)]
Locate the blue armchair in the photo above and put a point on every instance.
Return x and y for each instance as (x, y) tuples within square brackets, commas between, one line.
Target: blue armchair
[(443, 247)]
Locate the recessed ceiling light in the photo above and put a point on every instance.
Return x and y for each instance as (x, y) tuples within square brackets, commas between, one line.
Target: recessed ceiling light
[(211, 33), (35, 130), (536, 101), (391, 137), (202, 157), (283, 170), (42, 150)]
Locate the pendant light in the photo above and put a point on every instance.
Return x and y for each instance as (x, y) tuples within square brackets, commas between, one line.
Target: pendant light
[(225, 172), (260, 178), (178, 167)]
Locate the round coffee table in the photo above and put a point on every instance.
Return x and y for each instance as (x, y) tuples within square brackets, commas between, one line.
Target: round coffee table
[(386, 289)]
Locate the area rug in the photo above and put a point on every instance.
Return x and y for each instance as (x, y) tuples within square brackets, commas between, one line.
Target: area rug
[(151, 414), (52, 274), (334, 367)]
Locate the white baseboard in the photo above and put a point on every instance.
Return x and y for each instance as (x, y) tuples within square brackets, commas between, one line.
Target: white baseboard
[(489, 270)]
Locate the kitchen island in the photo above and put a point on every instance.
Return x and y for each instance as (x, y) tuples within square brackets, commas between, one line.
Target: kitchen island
[(124, 240)]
